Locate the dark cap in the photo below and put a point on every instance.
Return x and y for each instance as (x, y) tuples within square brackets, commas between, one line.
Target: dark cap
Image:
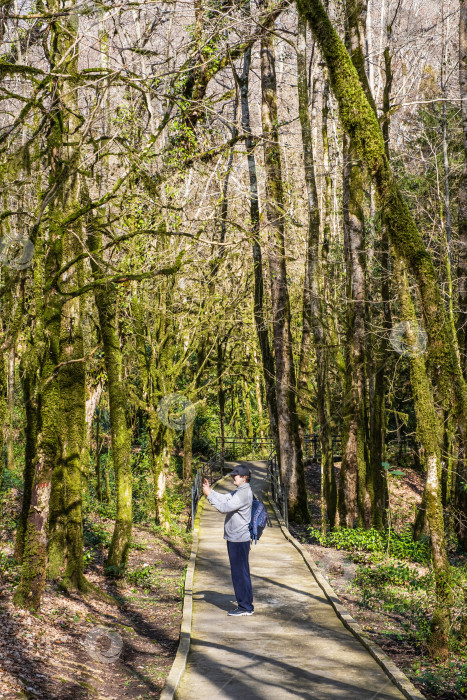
[(241, 470)]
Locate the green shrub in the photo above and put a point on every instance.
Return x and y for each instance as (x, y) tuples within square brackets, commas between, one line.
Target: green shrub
[(401, 545), (11, 480), (144, 575), (9, 569), (88, 557), (95, 534), (461, 682), (399, 574), (107, 510)]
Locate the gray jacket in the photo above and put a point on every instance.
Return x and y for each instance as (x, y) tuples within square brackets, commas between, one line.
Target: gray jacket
[(237, 505)]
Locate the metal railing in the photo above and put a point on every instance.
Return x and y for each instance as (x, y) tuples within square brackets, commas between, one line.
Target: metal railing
[(312, 446), (404, 444), (277, 490), (233, 447), (215, 465)]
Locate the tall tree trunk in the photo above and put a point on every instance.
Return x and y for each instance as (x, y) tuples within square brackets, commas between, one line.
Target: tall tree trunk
[(3, 408), (429, 431), (290, 452), (106, 300), (353, 466), (314, 325), (97, 462), (10, 455), (462, 196), (65, 545), (33, 571), (246, 394), (378, 399), (162, 444), (261, 327), (355, 473), (188, 450), (72, 431), (93, 397), (446, 261), (259, 401), (160, 437), (461, 492), (28, 370), (48, 302), (221, 391), (312, 246)]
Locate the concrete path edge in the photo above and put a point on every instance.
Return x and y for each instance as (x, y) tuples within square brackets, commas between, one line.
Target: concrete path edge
[(178, 666), (390, 668)]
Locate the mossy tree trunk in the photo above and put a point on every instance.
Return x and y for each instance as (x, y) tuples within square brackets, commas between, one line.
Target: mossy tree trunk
[(188, 451), (107, 306), (259, 400), (429, 434), (221, 391), (33, 572), (247, 403), (267, 357), (65, 545), (29, 373), (461, 480), (304, 398), (106, 299), (355, 466), (65, 523), (353, 500), (381, 347), (3, 407), (28, 370), (314, 312), (462, 195), (152, 347), (48, 301), (162, 445), (9, 437), (290, 452), (97, 458)]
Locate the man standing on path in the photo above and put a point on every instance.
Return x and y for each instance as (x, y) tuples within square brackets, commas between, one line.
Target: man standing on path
[(237, 505)]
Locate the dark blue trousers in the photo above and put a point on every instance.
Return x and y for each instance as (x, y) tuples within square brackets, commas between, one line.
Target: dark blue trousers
[(240, 570)]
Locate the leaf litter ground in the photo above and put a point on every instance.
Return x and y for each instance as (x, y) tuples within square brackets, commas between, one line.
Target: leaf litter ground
[(46, 655)]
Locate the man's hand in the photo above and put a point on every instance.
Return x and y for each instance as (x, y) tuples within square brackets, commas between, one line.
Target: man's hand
[(206, 487)]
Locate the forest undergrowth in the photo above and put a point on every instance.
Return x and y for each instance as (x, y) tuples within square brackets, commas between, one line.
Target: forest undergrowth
[(386, 582), (120, 644)]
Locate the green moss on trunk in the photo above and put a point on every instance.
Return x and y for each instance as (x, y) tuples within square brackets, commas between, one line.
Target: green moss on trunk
[(28, 369), (106, 302), (267, 357), (360, 123), (314, 312), (33, 571), (3, 406), (429, 434), (290, 452)]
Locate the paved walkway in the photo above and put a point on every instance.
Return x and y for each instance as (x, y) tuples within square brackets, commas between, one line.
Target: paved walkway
[(294, 646)]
